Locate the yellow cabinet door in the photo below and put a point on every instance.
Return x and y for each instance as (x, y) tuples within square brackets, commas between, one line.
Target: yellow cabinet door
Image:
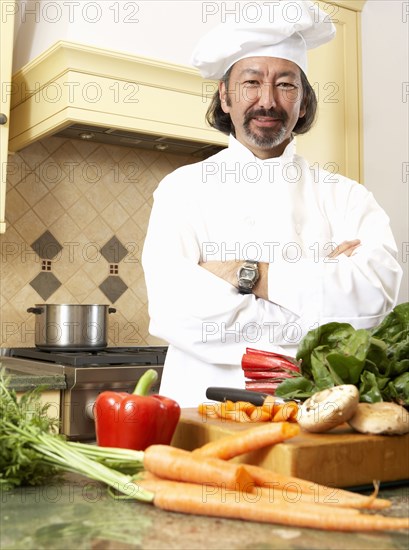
[(334, 143), (8, 9)]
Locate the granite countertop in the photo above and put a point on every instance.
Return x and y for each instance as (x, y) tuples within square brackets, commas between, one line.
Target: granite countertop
[(78, 513), (23, 377)]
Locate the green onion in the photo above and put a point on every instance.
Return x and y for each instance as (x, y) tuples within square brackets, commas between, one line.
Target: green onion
[(28, 449)]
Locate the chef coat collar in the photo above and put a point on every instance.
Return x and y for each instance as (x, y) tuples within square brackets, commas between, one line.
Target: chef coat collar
[(243, 153)]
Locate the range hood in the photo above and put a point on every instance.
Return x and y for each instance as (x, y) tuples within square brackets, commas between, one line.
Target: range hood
[(114, 136), (83, 92)]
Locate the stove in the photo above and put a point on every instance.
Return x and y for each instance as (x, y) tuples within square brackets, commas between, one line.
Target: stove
[(89, 373)]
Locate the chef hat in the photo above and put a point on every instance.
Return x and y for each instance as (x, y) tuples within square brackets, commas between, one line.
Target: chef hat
[(275, 29)]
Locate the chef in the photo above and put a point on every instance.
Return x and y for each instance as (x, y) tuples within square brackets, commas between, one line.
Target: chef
[(254, 246)]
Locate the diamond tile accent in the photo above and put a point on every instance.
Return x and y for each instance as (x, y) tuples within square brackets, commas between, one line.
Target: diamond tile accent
[(114, 251), (47, 246), (113, 287), (45, 284)]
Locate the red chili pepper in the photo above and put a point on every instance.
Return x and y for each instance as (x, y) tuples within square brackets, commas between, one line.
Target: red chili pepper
[(135, 421)]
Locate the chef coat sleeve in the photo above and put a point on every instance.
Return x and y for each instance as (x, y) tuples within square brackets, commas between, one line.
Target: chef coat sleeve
[(189, 307), (360, 289)]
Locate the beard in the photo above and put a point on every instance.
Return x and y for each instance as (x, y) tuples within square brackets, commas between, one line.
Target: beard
[(266, 137)]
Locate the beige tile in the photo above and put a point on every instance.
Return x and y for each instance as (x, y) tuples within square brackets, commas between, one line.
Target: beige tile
[(66, 193), (16, 206), (13, 327), (161, 168), (52, 143), (62, 296), (142, 217), (148, 184), (83, 175), (132, 234), (11, 281), (30, 227), (132, 165), (80, 286), (149, 157), (82, 212), (99, 196), (131, 199), (84, 147), (67, 156), (48, 209), (65, 230), (16, 169), (32, 189), (98, 231), (115, 215), (97, 271), (34, 154)]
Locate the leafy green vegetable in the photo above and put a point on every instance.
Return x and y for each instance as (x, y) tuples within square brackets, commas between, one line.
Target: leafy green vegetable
[(375, 360), (31, 453)]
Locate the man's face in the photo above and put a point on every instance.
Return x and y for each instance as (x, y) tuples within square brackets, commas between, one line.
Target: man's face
[(264, 100)]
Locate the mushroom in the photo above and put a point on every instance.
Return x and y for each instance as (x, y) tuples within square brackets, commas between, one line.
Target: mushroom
[(327, 409), (380, 418)]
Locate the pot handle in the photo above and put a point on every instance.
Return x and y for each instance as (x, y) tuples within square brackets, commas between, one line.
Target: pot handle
[(111, 310), (36, 310)]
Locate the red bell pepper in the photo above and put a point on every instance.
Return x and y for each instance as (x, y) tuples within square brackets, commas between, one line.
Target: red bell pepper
[(137, 420)]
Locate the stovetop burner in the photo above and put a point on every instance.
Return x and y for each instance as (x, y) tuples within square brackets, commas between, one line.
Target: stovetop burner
[(143, 355)]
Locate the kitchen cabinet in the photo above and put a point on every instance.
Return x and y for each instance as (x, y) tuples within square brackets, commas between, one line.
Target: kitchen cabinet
[(335, 142), (8, 9)]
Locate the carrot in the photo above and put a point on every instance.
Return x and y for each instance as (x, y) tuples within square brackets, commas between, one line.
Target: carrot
[(190, 498), (243, 411), (248, 440), (180, 465), (286, 411), (268, 478), (208, 410), (260, 415)]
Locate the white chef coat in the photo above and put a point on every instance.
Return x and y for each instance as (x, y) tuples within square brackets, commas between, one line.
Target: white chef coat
[(281, 211)]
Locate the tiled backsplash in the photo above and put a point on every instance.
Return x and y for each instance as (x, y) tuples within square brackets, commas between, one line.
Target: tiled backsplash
[(77, 214)]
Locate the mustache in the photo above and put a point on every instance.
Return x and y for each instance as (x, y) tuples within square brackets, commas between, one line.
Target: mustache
[(271, 113)]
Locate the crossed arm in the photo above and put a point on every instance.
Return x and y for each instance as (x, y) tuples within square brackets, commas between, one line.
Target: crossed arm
[(228, 270)]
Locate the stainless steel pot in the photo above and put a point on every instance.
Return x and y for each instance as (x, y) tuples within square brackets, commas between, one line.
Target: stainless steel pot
[(73, 327)]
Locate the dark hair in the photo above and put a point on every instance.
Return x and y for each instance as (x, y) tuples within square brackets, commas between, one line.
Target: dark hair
[(220, 120)]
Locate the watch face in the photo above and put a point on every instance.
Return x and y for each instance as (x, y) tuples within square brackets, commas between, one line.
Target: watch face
[(248, 274)]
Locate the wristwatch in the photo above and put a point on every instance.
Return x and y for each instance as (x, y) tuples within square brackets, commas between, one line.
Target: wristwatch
[(247, 276)]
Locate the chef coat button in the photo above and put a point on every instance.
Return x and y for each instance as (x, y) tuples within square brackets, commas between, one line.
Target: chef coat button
[(249, 220)]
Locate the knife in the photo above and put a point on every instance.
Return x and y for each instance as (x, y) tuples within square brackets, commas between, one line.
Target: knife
[(236, 394)]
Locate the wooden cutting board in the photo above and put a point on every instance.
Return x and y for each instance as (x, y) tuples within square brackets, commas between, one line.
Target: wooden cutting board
[(340, 458)]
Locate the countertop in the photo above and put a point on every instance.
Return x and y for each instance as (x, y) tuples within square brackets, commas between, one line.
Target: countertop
[(78, 514), (22, 378)]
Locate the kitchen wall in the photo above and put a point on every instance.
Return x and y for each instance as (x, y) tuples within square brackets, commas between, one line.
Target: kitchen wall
[(77, 214), (385, 78)]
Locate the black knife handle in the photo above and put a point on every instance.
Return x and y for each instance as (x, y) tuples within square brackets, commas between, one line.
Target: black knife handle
[(235, 394)]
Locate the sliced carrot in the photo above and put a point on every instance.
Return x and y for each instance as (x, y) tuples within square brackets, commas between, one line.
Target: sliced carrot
[(180, 465), (269, 478), (245, 406), (260, 415), (208, 410), (248, 440), (286, 411), (190, 498)]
